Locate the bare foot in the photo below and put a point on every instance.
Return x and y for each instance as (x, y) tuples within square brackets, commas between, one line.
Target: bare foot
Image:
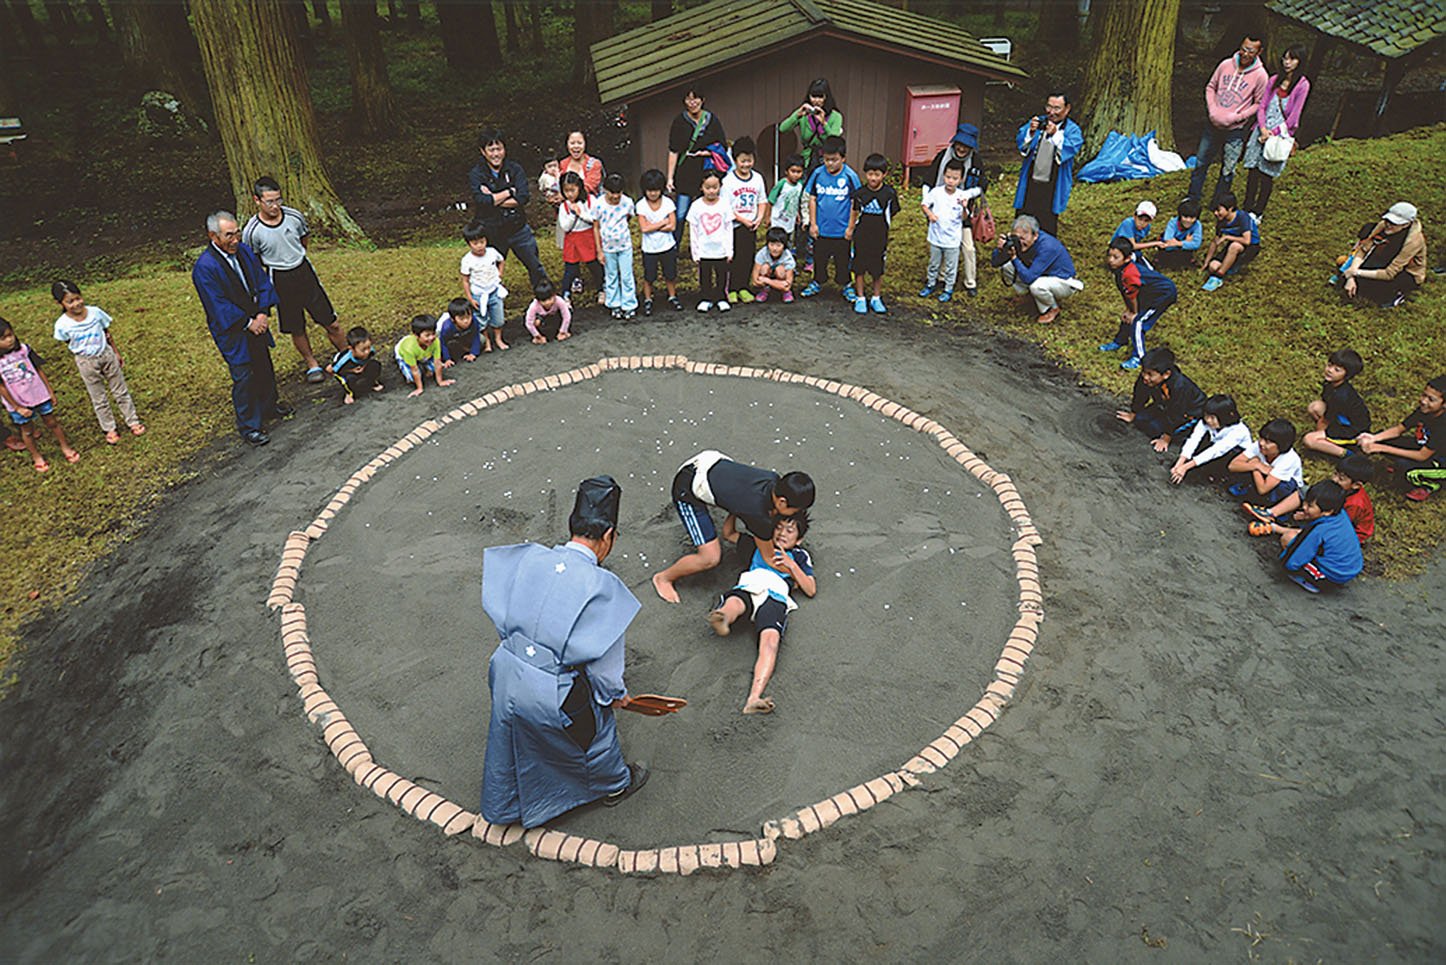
[(761, 705), (718, 620), (502, 345), (347, 400), (561, 336), (487, 346), (665, 589), (138, 430)]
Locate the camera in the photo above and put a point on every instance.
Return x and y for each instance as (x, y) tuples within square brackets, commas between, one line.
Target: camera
[(1012, 244)]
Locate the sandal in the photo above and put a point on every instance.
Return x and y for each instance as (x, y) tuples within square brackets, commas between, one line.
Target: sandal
[(1259, 512), (112, 437), (72, 457), (1419, 495), (138, 430), (42, 466), (315, 375), (1258, 528)]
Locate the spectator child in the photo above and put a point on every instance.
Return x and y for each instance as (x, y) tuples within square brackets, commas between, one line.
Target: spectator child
[(1147, 295), (550, 178), (611, 211), (1325, 553), (657, 219), (1272, 469), (747, 194), (86, 329), (1227, 438), (1137, 229), (1237, 242), (773, 267), (1165, 403), (944, 206), (875, 205), (710, 237), (763, 594), (1416, 446), (1181, 238), (27, 396), (482, 284), (357, 367), (459, 332), (576, 238), (419, 353), (786, 207), (1340, 414), (546, 301), (1351, 474), (831, 216)]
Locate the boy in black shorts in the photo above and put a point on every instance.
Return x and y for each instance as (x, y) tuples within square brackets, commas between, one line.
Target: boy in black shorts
[(876, 204), (763, 594)]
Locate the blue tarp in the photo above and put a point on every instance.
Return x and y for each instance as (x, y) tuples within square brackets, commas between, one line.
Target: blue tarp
[(1129, 157)]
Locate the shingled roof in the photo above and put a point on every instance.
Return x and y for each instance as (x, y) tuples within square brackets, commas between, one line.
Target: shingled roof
[(1391, 28), (691, 43)]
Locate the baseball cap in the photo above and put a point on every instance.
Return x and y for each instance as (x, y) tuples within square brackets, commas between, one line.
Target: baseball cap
[(1402, 212), (1146, 208)]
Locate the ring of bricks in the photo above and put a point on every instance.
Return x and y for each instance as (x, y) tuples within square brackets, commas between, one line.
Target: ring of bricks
[(352, 753)]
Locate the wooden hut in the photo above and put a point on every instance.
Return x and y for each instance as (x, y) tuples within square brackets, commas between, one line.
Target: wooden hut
[(755, 59)]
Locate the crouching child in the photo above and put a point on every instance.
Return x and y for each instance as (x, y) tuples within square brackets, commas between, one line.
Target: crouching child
[(357, 367), (1325, 553)]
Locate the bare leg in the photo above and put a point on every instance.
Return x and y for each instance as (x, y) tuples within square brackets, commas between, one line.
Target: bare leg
[(303, 348), (28, 436), (53, 424), (762, 673), (337, 336), (1318, 442), (721, 619), (702, 559)]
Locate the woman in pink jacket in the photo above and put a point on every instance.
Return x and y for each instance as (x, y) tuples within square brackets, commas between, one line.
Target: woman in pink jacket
[(1279, 114), (581, 163)]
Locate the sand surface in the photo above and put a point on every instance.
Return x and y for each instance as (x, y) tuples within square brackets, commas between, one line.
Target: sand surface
[(1199, 752)]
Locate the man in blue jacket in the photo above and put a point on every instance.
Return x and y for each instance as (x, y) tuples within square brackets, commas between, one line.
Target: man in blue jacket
[(238, 297), (1035, 263), (499, 202), (1047, 146)]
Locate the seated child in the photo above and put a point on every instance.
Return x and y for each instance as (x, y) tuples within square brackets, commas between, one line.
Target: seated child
[(1340, 413), (546, 301), (1136, 230), (876, 203), (1237, 242), (356, 367), (420, 352), (1324, 553), (1351, 474), (1164, 403), (27, 395), (459, 333), (763, 595), (773, 267), (1272, 469), (1147, 294), (482, 283), (1181, 239), (1228, 437), (1415, 446)]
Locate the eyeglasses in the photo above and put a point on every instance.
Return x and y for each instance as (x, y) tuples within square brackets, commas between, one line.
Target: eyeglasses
[(271, 202)]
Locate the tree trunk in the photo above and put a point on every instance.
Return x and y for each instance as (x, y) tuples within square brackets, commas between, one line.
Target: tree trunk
[(514, 27), (534, 25), (263, 108), (98, 22), (21, 13), (412, 11), (61, 20), (591, 20), (469, 35), (321, 10), (1058, 28), (1127, 80), (662, 8), (372, 109), (158, 51)]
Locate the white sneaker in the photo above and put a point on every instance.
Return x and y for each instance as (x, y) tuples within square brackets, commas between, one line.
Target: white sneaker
[(705, 307), (724, 306)]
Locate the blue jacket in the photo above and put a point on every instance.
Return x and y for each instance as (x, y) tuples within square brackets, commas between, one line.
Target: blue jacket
[(1029, 147), (1050, 258), (1331, 544), (484, 182), (229, 306)]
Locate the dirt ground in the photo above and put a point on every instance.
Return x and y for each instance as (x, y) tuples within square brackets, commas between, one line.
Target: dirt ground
[(1201, 762)]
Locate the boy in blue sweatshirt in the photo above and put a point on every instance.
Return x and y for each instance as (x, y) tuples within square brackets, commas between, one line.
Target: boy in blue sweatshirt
[(1325, 553), (1182, 237)]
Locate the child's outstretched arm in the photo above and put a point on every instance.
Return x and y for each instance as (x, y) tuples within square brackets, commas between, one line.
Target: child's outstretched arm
[(416, 381)]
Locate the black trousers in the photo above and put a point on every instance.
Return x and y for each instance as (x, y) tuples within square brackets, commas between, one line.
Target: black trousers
[(836, 250), (740, 266)]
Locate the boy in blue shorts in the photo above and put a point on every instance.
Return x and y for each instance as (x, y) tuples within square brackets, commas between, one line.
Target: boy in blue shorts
[(1147, 294), (419, 353), (1324, 553), (763, 594), (831, 217), (1237, 242)]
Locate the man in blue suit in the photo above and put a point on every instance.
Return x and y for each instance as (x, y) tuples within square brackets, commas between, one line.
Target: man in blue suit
[(238, 297)]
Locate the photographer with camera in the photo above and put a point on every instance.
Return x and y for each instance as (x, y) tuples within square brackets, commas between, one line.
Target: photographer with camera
[(816, 118), (1035, 263), (1047, 146)]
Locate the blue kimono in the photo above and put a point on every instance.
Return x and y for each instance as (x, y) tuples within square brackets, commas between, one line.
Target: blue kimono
[(1029, 146), (552, 744)]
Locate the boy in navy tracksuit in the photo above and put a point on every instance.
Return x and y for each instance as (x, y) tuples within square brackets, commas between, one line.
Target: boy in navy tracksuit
[(1326, 551), (1165, 404), (1147, 294)]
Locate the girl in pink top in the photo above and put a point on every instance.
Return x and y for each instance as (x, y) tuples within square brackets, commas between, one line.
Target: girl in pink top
[(1278, 114), (545, 301), (27, 395)]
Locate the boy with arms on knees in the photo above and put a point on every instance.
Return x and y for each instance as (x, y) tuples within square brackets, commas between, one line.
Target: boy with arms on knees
[(831, 217), (1165, 403), (787, 208), (1340, 413), (1324, 553), (657, 219), (419, 353), (745, 191), (1351, 474), (1416, 446), (357, 368), (458, 332), (1237, 242), (763, 595), (1147, 294), (611, 211), (482, 284), (876, 203), (1272, 468), (945, 207), (546, 301), (773, 267)]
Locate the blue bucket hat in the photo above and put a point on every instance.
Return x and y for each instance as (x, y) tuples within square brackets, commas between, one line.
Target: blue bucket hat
[(968, 135)]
